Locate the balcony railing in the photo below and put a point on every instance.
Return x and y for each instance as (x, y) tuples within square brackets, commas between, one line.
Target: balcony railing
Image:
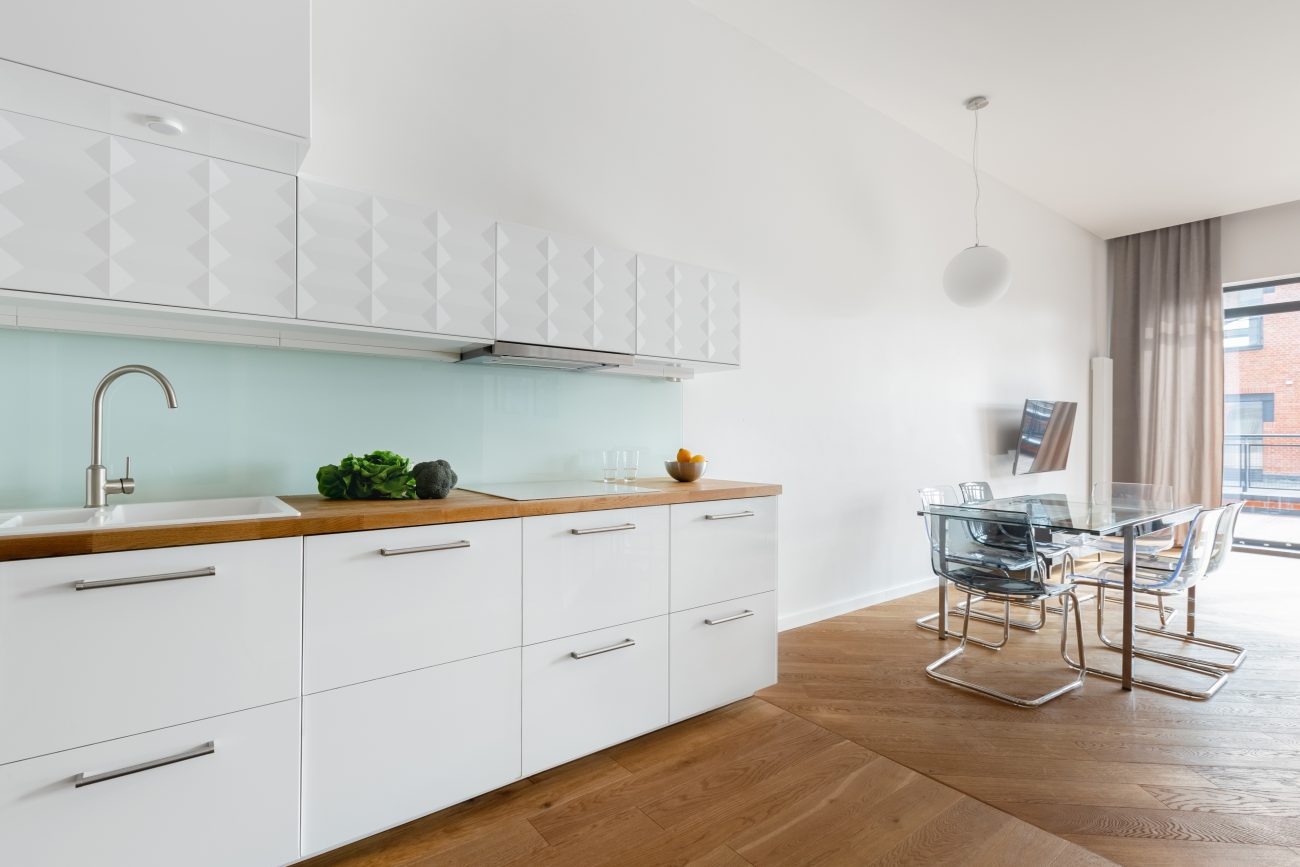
[(1264, 464), (1264, 470)]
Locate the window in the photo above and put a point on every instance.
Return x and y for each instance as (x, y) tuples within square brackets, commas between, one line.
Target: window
[(1245, 414), (1246, 332)]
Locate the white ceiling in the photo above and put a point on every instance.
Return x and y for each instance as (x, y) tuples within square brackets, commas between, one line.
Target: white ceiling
[(1121, 115)]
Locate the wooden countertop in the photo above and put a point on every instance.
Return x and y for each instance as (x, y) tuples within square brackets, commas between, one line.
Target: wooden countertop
[(344, 516)]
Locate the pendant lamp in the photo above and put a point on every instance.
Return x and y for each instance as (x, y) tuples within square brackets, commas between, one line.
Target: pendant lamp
[(980, 274)]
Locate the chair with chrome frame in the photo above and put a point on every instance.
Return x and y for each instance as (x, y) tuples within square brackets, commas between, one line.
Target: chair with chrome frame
[(1055, 551), (1190, 567), (956, 558), (1222, 546), (946, 495)]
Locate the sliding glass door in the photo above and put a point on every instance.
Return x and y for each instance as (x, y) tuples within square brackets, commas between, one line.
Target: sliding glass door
[(1261, 412)]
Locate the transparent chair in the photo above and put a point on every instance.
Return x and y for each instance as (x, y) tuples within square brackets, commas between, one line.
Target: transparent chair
[(960, 558), (1133, 494), (946, 495), (1189, 568), (1222, 547), (1058, 550)]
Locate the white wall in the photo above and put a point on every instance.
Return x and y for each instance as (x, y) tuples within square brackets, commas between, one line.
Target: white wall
[(656, 127), (1262, 243)]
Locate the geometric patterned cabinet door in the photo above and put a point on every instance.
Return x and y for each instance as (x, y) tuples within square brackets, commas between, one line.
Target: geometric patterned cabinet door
[(374, 260), (687, 313), (252, 239), (692, 313), (615, 290), (656, 305), (158, 230), (192, 231), (672, 309), (545, 288), (724, 318), (53, 207), (89, 214), (467, 274), (334, 254)]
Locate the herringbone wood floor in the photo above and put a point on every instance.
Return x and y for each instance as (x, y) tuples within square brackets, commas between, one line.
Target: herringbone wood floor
[(856, 758)]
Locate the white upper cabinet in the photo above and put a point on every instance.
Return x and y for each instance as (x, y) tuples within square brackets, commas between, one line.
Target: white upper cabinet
[(243, 59), (724, 318), (374, 260), (100, 216), (544, 288), (615, 310), (54, 198), (687, 313), (558, 291)]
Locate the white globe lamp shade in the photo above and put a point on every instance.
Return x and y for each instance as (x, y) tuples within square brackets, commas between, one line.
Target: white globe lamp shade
[(977, 275)]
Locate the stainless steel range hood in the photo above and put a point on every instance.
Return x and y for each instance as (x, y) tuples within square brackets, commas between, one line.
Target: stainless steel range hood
[(553, 357)]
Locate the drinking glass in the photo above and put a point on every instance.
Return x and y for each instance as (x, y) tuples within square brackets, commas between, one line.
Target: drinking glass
[(612, 460), (629, 463)]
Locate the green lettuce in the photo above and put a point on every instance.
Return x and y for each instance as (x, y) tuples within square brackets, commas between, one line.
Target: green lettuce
[(379, 475)]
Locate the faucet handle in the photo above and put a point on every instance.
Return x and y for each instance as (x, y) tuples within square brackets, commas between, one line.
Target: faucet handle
[(126, 482)]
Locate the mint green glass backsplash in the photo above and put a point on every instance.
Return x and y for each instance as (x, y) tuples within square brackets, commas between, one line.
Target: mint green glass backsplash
[(260, 421)]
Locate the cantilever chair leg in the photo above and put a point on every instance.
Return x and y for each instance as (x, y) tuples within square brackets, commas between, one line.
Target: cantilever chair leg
[(933, 668), (1189, 637), (1220, 677)]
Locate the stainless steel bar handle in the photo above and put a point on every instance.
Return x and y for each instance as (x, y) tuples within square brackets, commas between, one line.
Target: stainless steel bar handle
[(583, 654), (744, 514), (89, 780), (145, 579), (614, 529), (741, 616), (445, 546)]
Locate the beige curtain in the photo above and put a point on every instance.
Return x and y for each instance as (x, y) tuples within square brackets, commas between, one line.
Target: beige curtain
[(1167, 342)]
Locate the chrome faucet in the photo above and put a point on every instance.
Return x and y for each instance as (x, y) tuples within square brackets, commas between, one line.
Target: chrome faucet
[(98, 485)]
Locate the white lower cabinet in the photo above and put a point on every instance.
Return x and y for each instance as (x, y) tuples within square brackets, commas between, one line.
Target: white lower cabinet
[(724, 549), (380, 753), (721, 653), (588, 570), (585, 692), (381, 602), (212, 793), (102, 646)]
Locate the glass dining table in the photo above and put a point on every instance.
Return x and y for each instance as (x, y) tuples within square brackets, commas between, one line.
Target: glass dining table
[(1057, 513)]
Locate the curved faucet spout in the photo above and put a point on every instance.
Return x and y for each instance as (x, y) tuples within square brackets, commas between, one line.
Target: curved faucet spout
[(96, 476)]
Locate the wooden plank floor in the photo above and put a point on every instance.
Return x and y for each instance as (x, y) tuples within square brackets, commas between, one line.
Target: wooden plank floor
[(857, 758), (1141, 778), (750, 784)]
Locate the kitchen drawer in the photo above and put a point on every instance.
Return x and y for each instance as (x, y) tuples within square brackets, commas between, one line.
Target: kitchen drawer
[(118, 659), (617, 690), (380, 753), (589, 570), (722, 550), (442, 592), (237, 804), (721, 653)]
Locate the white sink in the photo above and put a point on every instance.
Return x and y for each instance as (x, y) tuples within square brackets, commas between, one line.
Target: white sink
[(143, 515)]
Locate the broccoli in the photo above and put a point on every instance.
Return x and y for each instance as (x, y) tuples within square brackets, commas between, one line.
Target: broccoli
[(434, 480)]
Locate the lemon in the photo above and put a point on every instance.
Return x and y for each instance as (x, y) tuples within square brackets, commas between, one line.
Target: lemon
[(698, 459)]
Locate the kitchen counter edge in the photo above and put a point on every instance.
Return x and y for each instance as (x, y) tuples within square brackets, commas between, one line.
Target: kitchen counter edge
[(320, 516)]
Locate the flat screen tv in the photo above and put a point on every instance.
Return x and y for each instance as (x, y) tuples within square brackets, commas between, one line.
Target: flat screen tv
[(1046, 429)]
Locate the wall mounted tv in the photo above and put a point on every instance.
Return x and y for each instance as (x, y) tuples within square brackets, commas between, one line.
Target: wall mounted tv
[(1046, 429)]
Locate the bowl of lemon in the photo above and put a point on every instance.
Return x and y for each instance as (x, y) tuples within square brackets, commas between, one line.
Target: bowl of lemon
[(687, 467)]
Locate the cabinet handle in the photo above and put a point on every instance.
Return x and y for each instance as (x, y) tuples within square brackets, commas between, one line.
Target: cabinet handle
[(744, 514), (614, 529), (145, 579), (205, 750), (583, 654), (742, 615), (445, 546)]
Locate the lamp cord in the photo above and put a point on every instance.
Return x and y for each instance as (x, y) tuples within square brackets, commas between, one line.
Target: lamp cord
[(975, 170)]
